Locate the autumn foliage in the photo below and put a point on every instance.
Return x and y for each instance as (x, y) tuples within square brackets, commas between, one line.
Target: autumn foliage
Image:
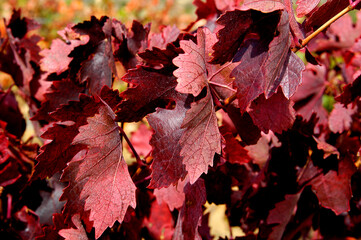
[(236, 113)]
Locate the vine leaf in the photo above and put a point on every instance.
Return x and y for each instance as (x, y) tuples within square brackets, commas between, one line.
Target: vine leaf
[(201, 138), (101, 179), (75, 234), (275, 113), (167, 166), (274, 69)]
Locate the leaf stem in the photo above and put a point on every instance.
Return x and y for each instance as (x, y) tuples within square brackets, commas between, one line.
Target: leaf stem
[(139, 161)]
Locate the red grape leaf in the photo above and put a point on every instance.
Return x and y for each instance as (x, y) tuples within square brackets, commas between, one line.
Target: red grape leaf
[(291, 74), (60, 92), (235, 152), (160, 222), (74, 234), (340, 118), (160, 57), (160, 40), (190, 215), (54, 155), (140, 99), (305, 6), (192, 75), (265, 6), (325, 12), (236, 25), (308, 98), (281, 215), (173, 195), (201, 138), (251, 82), (55, 59), (128, 43), (98, 70), (9, 173), (333, 189), (167, 166), (275, 113), (102, 174)]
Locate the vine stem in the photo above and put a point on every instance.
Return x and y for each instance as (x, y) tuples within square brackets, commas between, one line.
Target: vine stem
[(139, 161), (305, 41)]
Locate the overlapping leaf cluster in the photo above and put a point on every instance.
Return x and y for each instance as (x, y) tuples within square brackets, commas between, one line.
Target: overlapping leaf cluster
[(237, 118)]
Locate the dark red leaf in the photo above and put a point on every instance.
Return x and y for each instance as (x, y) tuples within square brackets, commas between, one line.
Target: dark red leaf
[(21, 26), (334, 188), (167, 166), (236, 25), (350, 92), (190, 215), (235, 152), (10, 113), (325, 12), (99, 69), (273, 68), (205, 10), (141, 99), (60, 92), (275, 113), (281, 215)]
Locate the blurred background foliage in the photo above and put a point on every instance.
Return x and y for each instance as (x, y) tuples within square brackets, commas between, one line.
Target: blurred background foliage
[(54, 15)]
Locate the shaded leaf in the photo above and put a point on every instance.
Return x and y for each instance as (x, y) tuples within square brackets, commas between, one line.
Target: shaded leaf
[(167, 167), (333, 189), (141, 99), (275, 113), (281, 215), (190, 215)]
